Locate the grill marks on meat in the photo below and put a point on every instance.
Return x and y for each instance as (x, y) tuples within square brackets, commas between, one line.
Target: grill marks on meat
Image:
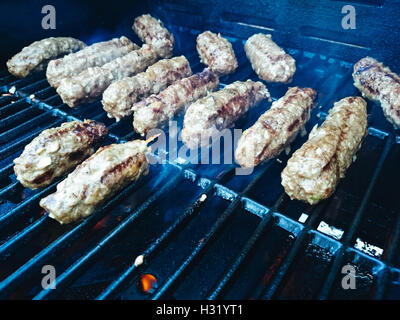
[(152, 31), (276, 128), (156, 110), (207, 116), (379, 83), (91, 83), (315, 169), (120, 96), (268, 60), (57, 150), (216, 52), (36, 56), (96, 180), (95, 55)]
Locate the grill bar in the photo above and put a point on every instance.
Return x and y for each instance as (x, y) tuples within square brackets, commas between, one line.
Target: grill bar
[(210, 235), (383, 281), (17, 116), (9, 189), (297, 246), (14, 279), (350, 235), (188, 213), (38, 97), (22, 83), (24, 235), (261, 229), (197, 251), (23, 208), (6, 152), (13, 133), (5, 171), (79, 265)]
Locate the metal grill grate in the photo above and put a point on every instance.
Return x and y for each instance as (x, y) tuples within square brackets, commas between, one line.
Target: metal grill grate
[(245, 240)]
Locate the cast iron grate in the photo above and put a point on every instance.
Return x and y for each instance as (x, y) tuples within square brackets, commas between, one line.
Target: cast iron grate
[(244, 240)]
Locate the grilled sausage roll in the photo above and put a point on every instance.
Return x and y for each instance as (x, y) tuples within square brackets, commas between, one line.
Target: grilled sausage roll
[(96, 180), (315, 169), (36, 56), (268, 60), (216, 52), (57, 150), (152, 31), (97, 54), (91, 83), (156, 110), (276, 128), (122, 94), (207, 116), (379, 83)]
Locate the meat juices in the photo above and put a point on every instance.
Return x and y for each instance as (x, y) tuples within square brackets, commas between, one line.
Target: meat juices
[(276, 128), (96, 180), (268, 60), (36, 56), (120, 96), (95, 55), (91, 83), (379, 83), (156, 110), (219, 110), (57, 150), (152, 31), (314, 170), (216, 52)]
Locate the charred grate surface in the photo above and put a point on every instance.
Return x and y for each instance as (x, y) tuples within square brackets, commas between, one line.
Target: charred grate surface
[(201, 230)]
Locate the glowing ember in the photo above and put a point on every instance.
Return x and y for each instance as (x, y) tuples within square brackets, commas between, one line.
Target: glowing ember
[(101, 223), (147, 283), (219, 174)]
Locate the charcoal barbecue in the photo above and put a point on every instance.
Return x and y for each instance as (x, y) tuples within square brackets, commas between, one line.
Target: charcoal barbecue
[(197, 231)]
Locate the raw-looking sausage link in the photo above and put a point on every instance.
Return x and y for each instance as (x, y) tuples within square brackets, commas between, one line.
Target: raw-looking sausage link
[(91, 83), (315, 169), (379, 83), (95, 55), (120, 96), (207, 116), (268, 60), (56, 150), (216, 52), (96, 180), (36, 56), (156, 110), (152, 31), (276, 128)]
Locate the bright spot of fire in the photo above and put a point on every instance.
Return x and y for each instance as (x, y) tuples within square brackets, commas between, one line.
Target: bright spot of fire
[(101, 223), (147, 283)]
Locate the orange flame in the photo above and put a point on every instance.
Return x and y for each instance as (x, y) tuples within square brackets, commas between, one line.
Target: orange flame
[(147, 283)]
